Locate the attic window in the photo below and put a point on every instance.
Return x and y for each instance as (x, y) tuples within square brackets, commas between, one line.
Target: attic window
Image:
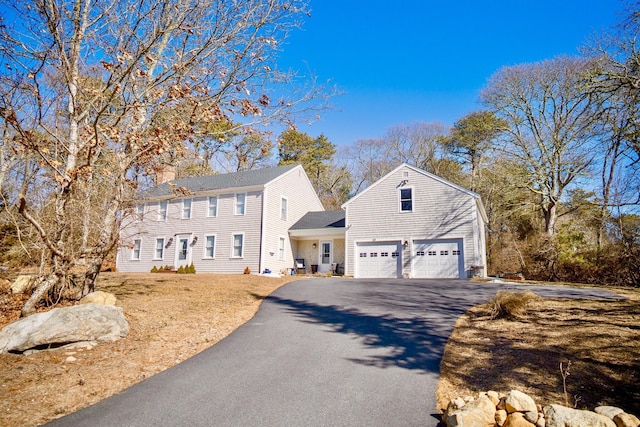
[(406, 200)]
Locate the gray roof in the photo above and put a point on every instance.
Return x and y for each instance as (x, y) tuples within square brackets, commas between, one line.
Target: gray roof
[(318, 220), (222, 181)]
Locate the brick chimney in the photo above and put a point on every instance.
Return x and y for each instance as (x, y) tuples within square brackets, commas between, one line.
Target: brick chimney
[(165, 173)]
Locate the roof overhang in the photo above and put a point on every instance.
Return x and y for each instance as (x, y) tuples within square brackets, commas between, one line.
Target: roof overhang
[(311, 234)]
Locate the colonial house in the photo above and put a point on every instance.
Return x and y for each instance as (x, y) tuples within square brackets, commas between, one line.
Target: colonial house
[(221, 223), (410, 223)]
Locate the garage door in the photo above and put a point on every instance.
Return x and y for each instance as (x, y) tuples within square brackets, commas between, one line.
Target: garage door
[(437, 259), (378, 260)]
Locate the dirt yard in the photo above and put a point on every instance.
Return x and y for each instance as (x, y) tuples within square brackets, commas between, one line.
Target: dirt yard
[(171, 318), (597, 342)]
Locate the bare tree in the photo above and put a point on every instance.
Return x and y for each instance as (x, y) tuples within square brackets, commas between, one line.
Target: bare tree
[(551, 124), (90, 90)]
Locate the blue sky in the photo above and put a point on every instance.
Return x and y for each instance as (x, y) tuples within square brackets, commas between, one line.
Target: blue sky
[(410, 60)]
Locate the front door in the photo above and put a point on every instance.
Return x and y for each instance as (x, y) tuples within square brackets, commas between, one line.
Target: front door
[(326, 256), (183, 251)]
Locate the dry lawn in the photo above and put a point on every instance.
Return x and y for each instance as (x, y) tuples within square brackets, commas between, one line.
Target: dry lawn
[(599, 342), (171, 318)]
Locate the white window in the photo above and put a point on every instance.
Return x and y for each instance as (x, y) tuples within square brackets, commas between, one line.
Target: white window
[(162, 211), (281, 244), (159, 252), (240, 202), (283, 208), (135, 252), (186, 208), (140, 210), (213, 206), (238, 240), (406, 200), (210, 246)]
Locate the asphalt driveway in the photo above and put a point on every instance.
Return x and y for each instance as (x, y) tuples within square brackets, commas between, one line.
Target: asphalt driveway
[(320, 352)]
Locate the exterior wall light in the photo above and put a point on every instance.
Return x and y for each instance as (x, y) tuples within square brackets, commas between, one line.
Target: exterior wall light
[(405, 244)]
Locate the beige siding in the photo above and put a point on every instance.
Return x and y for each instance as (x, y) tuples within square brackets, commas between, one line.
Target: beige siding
[(439, 211), (223, 226), (301, 198)]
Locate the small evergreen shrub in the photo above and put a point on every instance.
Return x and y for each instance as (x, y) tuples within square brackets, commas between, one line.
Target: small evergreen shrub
[(181, 270), (192, 269), (154, 269)]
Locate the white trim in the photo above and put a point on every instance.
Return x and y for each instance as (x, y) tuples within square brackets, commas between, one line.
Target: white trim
[(209, 206), (235, 204), (282, 251), (284, 199), (420, 171), (204, 246), (413, 198), (189, 254), (166, 210), (321, 265), (233, 235), (182, 216), (155, 247), (133, 250)]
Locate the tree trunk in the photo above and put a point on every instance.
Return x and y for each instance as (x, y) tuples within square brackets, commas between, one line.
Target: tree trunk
[(38, 294), (550, 217)]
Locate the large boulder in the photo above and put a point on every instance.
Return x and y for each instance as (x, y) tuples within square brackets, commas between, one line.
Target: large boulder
[(60, 326), (479, 412), (626, 420), (561, 416), (99, 297)]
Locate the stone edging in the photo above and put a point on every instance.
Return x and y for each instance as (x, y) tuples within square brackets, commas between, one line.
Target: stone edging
[(517, 409)]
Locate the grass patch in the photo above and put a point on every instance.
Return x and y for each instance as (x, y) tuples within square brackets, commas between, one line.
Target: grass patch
[(511, 305)]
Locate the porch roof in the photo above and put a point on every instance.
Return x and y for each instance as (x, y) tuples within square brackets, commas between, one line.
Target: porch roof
[(319, 223)]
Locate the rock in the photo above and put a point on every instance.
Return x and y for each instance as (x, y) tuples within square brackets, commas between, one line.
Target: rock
[(478, 413), (60, 326), (22, 284), (608, 411), (501, 417), (517, 401), (626, 420), (561, 416), (517, 419), (71, 359), (531, 416), (541, 421), (494, 397), (99, 297)]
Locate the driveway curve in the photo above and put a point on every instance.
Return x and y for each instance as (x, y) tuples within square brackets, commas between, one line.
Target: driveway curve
[(319, 352)]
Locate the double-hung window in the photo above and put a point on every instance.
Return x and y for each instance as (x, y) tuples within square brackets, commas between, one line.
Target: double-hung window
[(140, 210), (135, 252), (213, 206), (238, 241), (210, 247), (162, 211), (281, 244), (159, 252), (406, 200), (283, 208), (186, 208), (241, 199)]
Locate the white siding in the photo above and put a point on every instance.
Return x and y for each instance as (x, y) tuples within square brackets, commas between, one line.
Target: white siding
[(440, 211), (199, 225), (301, 198)]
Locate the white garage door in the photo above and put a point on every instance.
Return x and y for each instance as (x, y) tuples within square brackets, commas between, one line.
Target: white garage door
[(378, 260), (437, 259)]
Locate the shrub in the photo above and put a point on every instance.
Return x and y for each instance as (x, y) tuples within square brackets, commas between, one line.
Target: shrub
[(192, 269), (154, 269), (247, 270), (509, 305), (181, 270)]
